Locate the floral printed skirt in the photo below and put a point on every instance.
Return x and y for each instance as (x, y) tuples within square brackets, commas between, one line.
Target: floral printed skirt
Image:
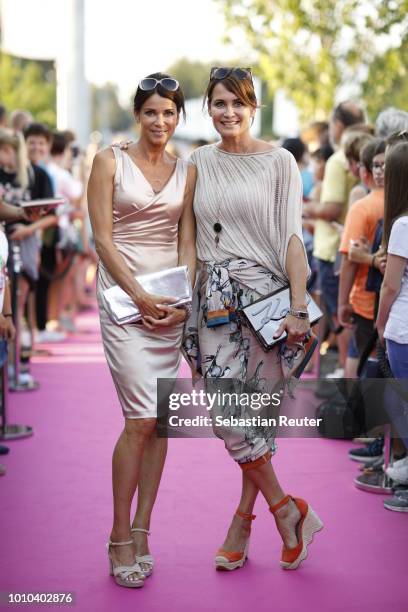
[(231, 359)]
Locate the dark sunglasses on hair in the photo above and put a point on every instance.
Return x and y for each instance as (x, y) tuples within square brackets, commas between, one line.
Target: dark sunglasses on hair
[(151, 83), (222, 73)]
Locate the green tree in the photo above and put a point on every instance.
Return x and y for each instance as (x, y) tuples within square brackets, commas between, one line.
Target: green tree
[(310, 47), (29, 85), (387, 81), (193, 75), (106, 110)]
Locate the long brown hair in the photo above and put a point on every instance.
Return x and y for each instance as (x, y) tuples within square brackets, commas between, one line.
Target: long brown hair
[(395, 187)]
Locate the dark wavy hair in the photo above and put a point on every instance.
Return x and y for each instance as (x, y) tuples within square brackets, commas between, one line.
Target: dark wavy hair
[(175, 96)]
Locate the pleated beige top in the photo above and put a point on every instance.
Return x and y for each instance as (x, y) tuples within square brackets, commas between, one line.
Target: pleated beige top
[(145, 232), (257, 198)]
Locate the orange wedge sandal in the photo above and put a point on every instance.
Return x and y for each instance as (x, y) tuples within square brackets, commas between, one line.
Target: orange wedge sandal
[(307, 526), (228, 560)]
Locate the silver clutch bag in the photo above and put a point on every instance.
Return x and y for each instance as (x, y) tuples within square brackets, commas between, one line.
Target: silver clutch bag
[(266, 314), (174, 282)]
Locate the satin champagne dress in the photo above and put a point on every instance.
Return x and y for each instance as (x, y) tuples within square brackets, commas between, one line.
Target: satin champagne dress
[(145, 232)]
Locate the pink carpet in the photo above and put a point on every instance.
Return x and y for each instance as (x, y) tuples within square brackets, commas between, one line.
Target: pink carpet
[(55, 511)]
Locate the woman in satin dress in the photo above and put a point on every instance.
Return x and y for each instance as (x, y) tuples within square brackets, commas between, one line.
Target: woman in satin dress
[(140, 205)]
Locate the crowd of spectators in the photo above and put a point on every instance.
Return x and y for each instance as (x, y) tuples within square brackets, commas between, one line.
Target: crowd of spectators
[(355, 231), (45, 256)]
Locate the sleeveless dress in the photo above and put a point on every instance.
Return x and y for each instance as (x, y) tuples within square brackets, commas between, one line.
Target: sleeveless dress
[(257, 199), (145, 232)]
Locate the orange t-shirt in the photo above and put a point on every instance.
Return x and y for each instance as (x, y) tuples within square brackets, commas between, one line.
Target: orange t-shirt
[(361, 220)]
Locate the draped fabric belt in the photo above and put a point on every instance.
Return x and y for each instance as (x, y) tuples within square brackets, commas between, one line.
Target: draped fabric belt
[(221, 300)]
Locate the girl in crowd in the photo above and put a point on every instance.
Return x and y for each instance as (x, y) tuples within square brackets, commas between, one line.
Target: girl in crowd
[(392, 314), (140, 204), (248, 208)]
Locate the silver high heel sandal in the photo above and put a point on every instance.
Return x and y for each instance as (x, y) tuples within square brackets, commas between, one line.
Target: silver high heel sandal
[(122, 573), (146, 562)]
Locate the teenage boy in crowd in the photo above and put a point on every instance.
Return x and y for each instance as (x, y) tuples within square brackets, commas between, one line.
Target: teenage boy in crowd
[(356, 304)]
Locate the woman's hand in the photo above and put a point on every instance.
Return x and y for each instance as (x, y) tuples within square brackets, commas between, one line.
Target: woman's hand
[(170, 316), (10, 329), (34, 213), (359, 250), (295, 328), (380, 329), (20, 232), (123, 144), (380, 260), (151, 305), (7, 329), (345, 315)]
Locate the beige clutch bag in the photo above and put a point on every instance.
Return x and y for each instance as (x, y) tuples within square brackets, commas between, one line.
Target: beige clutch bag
[(174, 282)]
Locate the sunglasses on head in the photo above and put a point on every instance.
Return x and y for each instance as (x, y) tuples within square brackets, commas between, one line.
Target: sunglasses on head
[(151, 83), (222, 73)]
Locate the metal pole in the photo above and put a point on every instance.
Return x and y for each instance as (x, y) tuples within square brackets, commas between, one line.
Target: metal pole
[(9, 432), (15, 384)]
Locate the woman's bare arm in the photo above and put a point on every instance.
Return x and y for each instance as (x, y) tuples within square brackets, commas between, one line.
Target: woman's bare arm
[(296, 268), (187, 227), (390, 289)]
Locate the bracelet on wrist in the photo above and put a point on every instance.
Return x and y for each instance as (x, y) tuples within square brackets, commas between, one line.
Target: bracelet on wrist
[(299, 314), (8, 314)]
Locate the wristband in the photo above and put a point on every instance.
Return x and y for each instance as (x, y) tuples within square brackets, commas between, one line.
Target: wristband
[(8, 314), (299, 314)]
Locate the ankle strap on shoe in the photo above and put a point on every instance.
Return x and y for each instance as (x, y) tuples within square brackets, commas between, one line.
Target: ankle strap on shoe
[(110, 543), (279, 505), (140, 529), (247, 516)]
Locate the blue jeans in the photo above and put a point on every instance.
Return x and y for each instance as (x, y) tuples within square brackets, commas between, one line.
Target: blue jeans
[(397, 408), (329, 284)]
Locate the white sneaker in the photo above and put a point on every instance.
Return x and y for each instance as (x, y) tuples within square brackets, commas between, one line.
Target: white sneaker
[(47, 335), (399, 463), (399, 472), (25, 378), (25, 338), (338, 373)]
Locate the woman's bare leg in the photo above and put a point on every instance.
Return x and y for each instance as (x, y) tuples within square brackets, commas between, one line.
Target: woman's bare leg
[(238, 531), (151, 470), (126, 464), (288, 516)]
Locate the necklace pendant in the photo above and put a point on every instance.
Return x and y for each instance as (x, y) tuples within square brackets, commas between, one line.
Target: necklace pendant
[(217, 227)]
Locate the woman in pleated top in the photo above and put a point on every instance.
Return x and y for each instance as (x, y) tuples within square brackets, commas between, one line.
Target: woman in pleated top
[(247, 205)]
